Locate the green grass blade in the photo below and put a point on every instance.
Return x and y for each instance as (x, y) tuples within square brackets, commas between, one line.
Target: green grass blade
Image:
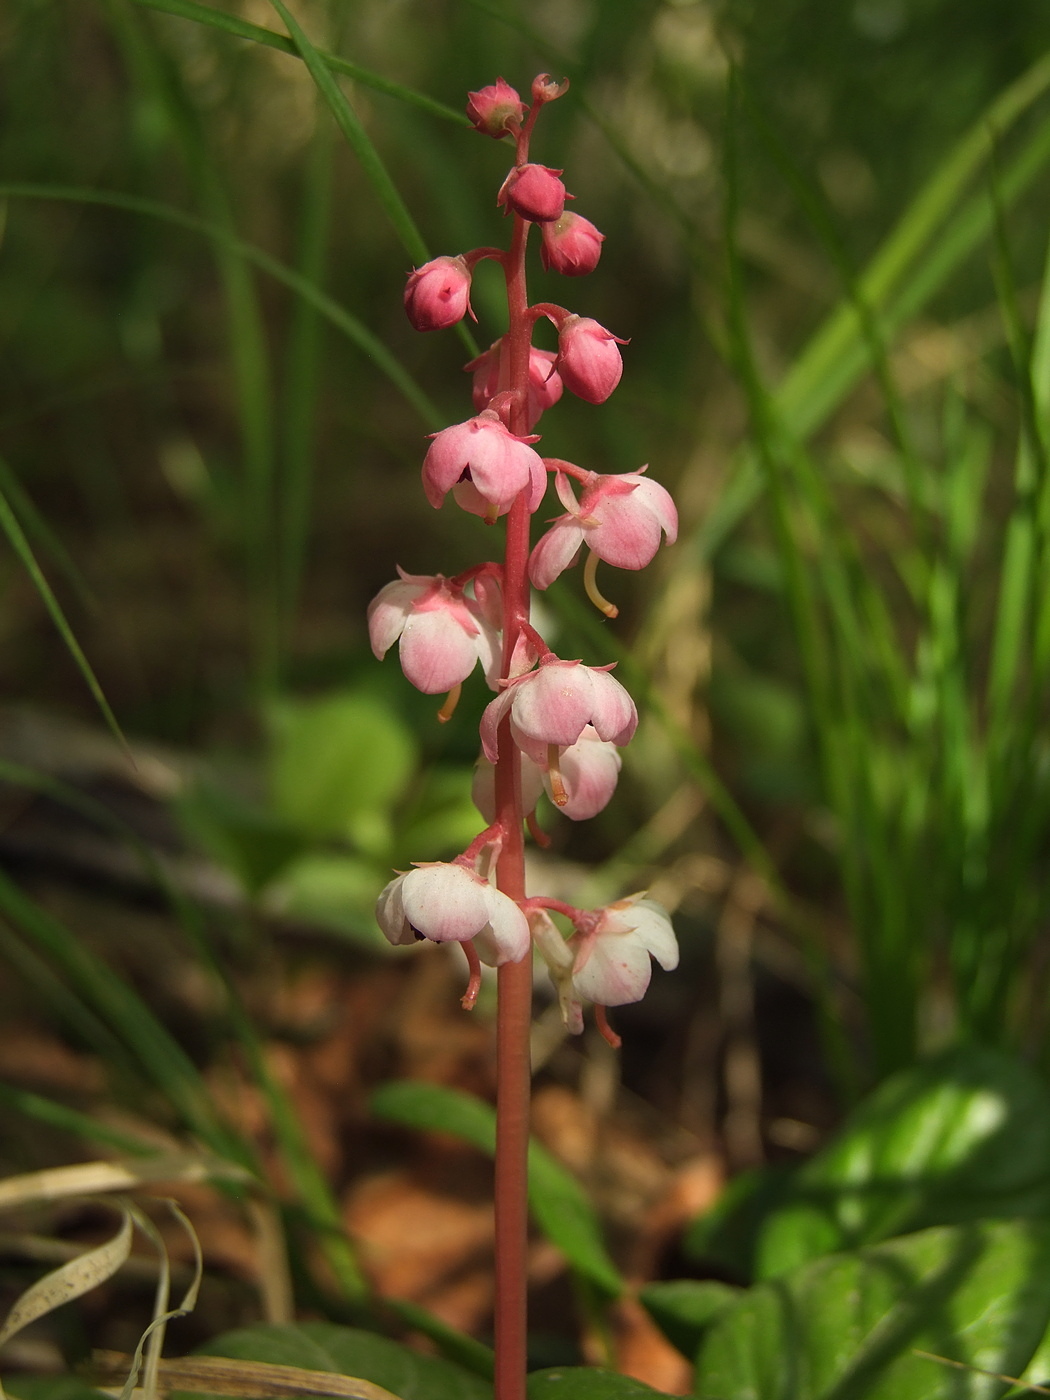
[(18, 542), (70, 1120), (36, 526), (158, 1053), (242, 29), (339, 317), (302, 368), (800, 396), (350, 125)]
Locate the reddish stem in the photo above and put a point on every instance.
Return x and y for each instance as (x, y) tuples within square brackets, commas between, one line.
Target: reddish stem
[(514, 1014)]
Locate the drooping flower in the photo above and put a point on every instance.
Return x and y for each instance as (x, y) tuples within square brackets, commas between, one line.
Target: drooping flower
[(620, 518), (485, 465), (495, 110), (450, 903), (545, 384), (437, 295), (584, 773), (588, 360), (571, 245), (535, 192), (552, 706), (611, 966), (442, 633)]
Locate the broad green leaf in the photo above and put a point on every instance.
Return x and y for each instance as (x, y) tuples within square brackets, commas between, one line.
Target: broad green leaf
[(685, 1308), (962, 1137), (557, 1200), (846, 1327), (455, 1345), (585, 1383), (324, 1346), (253, 844), (728, 1233), (338, 764), (333, 891)]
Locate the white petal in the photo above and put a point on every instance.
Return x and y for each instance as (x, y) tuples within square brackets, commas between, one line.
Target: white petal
[(387, 613), (614, 715), (652, 924), (445, 902), (390, 914), (555, 551), (612, 969), (436, 653), (506, 938)]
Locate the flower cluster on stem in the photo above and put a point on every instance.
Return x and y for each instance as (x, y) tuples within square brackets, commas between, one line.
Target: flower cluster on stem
[(555, 725)]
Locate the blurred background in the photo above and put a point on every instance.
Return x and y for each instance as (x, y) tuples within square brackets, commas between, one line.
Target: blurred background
[(826, 227)]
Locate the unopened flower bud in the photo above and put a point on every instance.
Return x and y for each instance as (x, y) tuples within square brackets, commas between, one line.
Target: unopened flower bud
[(571, 245), (534, 192), (437, 294), (495, 110), (588, 361)]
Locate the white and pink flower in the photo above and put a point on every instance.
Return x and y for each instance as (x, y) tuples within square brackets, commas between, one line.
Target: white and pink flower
[(484, 465), (620, 518), (442, 634), (448, 903), (552, 706)]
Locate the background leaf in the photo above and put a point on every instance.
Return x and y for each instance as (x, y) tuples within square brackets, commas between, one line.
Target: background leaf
[(844, 1327)]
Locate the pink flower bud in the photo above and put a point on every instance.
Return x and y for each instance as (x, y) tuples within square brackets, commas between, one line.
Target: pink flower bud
[(437, 294), (571, 245), (619, 517), (553, 705), (534, 192), (442, 634), (451, 904), (588, 360), (486, 466), (545, 385), (495, 110)]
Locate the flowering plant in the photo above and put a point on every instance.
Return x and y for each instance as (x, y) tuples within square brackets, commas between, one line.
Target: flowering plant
[(554, 724)]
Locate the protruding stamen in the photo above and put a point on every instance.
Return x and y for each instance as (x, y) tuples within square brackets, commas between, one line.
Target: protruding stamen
[(590, 585), (448, 709), (554, 773), (470, 996), (608, 1034), (538, 834), (492, 513)]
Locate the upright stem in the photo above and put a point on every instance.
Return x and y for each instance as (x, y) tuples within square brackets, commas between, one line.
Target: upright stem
[(513, 1069)]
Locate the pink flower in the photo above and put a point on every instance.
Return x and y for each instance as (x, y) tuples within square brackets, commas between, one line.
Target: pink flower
[(588, 771), (437, 294), (613, 947), (449, 903), (554, 704), (495, 110), (619, 517), (544, 381), (588, 360), (534, 192), (485, 465), (442, 633), (571, 245)]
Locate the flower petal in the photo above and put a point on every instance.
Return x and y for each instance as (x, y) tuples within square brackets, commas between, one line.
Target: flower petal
[(445, 902), (436, 653), (613, 713), (612, 968), (555, 551), (506, 938)]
